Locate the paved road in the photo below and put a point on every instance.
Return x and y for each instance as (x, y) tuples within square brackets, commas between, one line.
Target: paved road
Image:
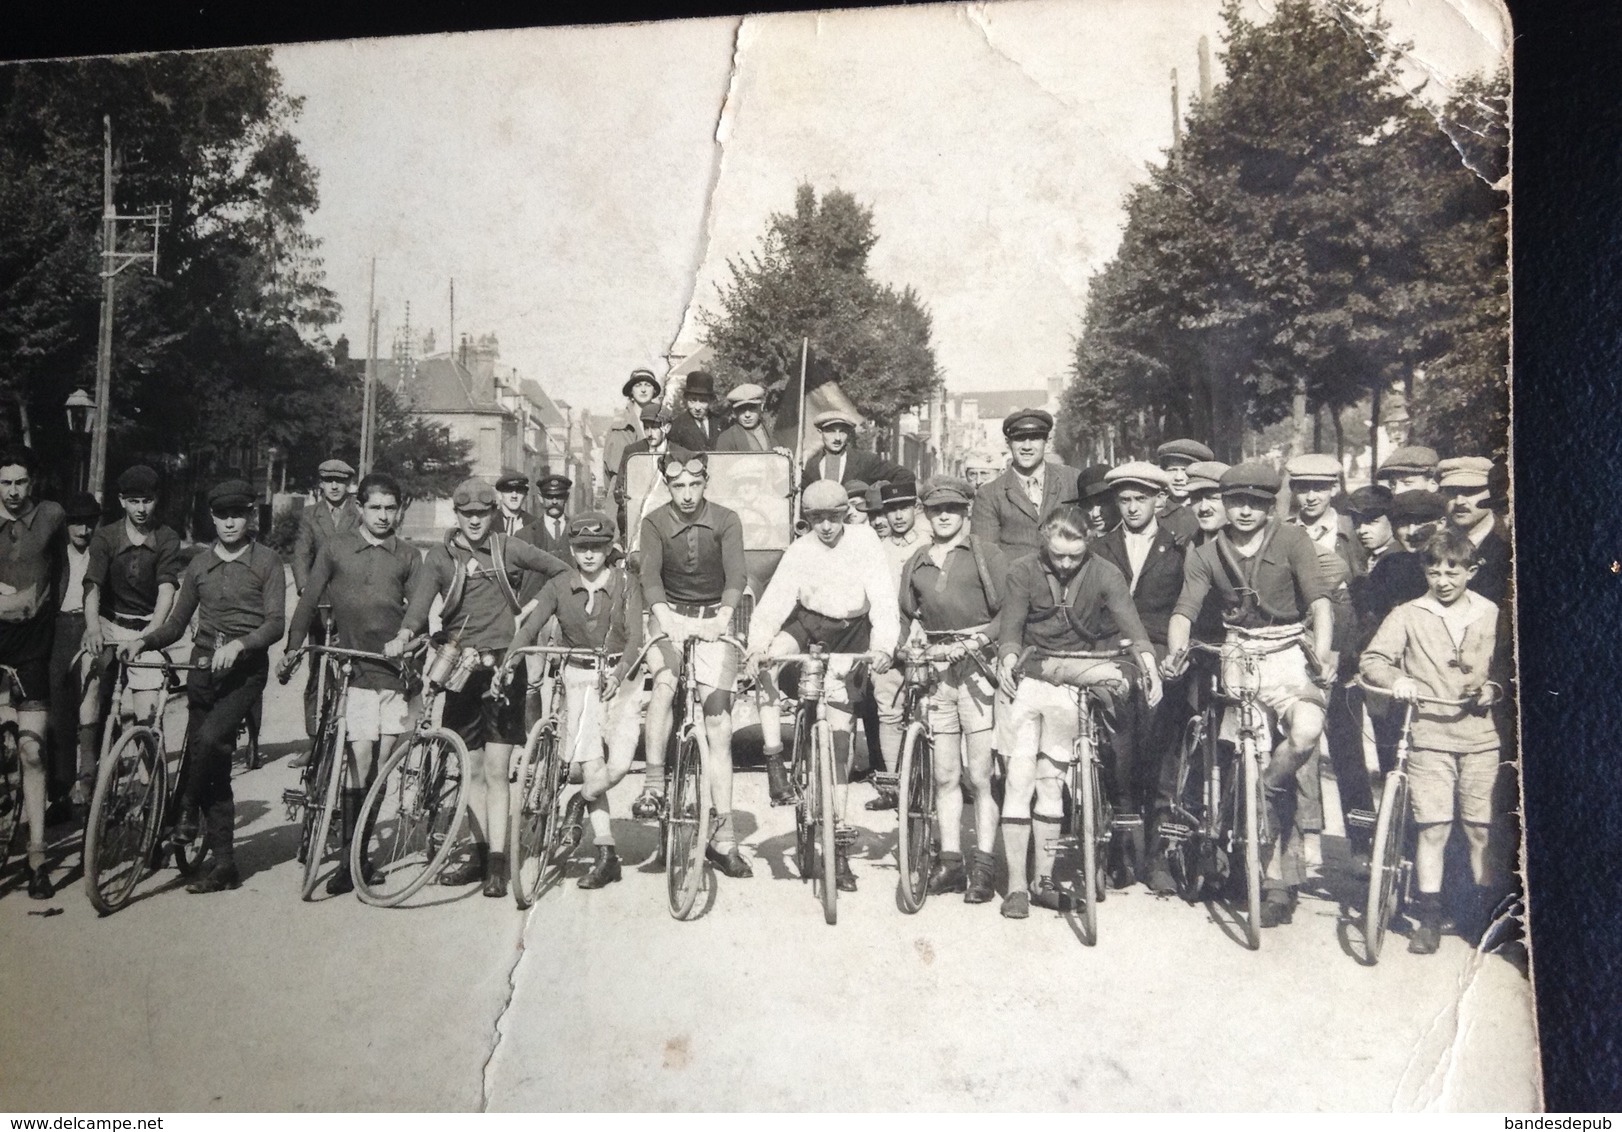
[(252, 1000)]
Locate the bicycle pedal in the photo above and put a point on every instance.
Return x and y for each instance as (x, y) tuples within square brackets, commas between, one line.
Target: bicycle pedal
[(1362, 819), (1064, 841), (293, 798), (1124, 823), (885, 781), (846, 836), (1176, 833)]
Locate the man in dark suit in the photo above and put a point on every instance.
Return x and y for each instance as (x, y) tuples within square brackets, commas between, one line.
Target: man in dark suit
[(839, 461), (550, 530), (1011, 509), (697, 429), (333, 513), (512, 492), (1150, 557)]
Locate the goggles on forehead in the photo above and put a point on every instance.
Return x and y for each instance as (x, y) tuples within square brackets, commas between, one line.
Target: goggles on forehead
[(697, 465), (823, 513)]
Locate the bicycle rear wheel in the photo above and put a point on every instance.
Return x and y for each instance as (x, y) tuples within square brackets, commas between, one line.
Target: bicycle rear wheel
[(686, 829), (1087, 805), (1182, 850), (123, 823), (410, 819), (805, 827), (320, 804), (1251, 777), (915, 805), (1385, 864), (535, 816), (11, 787), (822, 754)]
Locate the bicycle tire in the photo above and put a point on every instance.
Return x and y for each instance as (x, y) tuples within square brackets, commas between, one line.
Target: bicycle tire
[(822, 747), (535, 816), (248, 740), (1252, 776), (123, 821), (1087, 804), (805, 826), (1183, 857), (1385, 863), (687, 822), (188, 854), (318, 817), (915, 808), (414, 813), (11, 787)]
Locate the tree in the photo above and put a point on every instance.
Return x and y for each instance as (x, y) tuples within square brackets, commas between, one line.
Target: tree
[(809, 280)]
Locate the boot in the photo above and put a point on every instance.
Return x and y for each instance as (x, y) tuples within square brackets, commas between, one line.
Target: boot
[(982, 883), (39, 883), (1047, 895), (221, 877), (191, 820), (349, 803), (574, 822), (475, 868), (495, 877), (1278, 907), (947, 876), (1160, 880), (844, 879), (1427, 935), (606, 869), (777, 783), (341, 881)]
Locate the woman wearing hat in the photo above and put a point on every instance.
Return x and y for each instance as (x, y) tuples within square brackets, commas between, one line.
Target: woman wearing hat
[(639, 390)]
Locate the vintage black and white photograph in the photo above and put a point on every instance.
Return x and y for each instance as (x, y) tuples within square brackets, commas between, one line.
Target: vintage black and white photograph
[(953, 557)]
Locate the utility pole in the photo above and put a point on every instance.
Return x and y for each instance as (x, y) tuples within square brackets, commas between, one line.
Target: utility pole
[(368, 399), (1176, 121), (1205, 69)]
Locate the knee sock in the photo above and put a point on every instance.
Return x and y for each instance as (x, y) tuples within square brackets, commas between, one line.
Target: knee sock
[(1043, 830), (1016, 843), (89, 747), (602, 828), (726, 835)]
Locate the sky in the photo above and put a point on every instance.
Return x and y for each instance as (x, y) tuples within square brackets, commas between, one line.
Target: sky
[(586, 187)]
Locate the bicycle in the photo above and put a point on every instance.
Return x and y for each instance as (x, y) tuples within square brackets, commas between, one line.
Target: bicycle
[(11, 770), (1201, 835), (816, 835), (1391, 866), (133, 799), (539, 777), (414, 809)]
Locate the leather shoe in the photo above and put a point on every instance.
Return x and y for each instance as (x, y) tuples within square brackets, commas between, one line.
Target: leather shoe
[(1277, 910), (1426, 938), (469, 871), (574, 818), (981, 886), (649, 804), (1048, 896), (948, 875), (1160, 881), (495, 877), (606, 869), (730, 863), (777, 783), (340, 882), (1016, 905), (886, 800), (844, 879), (39, 884), (217, 879)]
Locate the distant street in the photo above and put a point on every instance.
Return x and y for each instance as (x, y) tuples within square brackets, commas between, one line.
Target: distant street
[(598, 1000)]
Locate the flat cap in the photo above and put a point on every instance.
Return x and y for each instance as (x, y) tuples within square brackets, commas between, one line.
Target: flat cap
[(554, 484), (1313, 467), (946, 491), (1184, 449), (641, 375), (1464, 471), (1252, 478), (1138, 473), (231, 493), (1412, 459), (510, 480), (473, 494), (833, 418), (1417, 507), (334, 468), (898, 493), (1369, 502), (653, 412), (82, 508), (593, 527), (138, 479), (1027, 422), (746, 394), (856, 491), (1092, 481), (1205, 475), (824, 495)]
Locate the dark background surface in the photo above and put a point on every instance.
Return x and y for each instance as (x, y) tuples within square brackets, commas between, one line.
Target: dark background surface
[(1567, 443)]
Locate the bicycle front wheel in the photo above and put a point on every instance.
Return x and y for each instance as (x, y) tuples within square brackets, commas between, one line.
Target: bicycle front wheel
[(410, 819), (686, 829), (822, 754), (1385, 865), (1183, 851), (124, 815), (535, 816), (1087, 803), (1250, 756), (915, 803), (320, 802)]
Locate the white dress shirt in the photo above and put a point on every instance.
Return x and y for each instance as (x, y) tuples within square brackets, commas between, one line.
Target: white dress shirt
[(847, 580), (1137, 549)]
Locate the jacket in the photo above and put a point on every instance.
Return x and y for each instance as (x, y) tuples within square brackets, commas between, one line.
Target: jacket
[(626, 432), (869, 467), (1158, 586), (1004, 514), (686, 432), (1414, 641), (315, 527)]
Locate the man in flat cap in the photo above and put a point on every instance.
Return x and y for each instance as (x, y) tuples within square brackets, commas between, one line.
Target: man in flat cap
[(697, 429), (1174, 458), (747, 432), (1410, 468), (332, 513), (74, 734), (1011, 509), (839, 460), (980, 469), (900, 535), (237, 591), (640, 389), (1467, 484), (655, 428)]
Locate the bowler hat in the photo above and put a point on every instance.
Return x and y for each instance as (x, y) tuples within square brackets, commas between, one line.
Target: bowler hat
[(641, 375), (83, 508), (699, 384)]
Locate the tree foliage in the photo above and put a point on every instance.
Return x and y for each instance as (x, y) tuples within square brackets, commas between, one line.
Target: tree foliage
[(1316, 239), (809, 279)]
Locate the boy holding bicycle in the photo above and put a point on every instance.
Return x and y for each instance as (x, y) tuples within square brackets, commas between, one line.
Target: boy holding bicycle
[(1441, 647), (1062, 599), (366, 576), (597, 607)]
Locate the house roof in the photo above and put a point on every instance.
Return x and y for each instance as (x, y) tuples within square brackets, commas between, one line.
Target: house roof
[(551, 416)]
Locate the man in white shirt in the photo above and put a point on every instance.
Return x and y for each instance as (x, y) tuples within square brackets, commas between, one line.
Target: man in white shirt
[(833, 588), (73, 693)]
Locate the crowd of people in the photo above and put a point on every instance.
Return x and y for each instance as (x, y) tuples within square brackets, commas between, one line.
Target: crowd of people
[(1403, 583)]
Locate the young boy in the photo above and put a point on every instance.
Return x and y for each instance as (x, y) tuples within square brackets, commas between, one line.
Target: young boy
[(478, 573), (952, 587), (597, 607), (832, 588), (1444, 646), (237, 589), (1063, 598), (367, 577), (32, 556)]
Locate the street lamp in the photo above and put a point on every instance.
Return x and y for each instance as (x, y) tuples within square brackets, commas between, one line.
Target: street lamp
[(81, 409)]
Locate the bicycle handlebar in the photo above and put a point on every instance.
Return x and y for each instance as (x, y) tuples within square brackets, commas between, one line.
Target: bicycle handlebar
[(1367, 687), (1086, 654)]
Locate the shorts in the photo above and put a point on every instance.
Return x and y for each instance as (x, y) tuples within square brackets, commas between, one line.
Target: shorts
[(836, 634), (1439, 778), (371, 713), (480, 721), (588, 722), (1043, 719), (141, 679), (1284, 679), (962, 699), (715, 663), (34, 676)]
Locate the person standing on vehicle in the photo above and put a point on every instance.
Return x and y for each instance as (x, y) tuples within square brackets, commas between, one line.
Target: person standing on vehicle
[(237, 590), (839, 460), (367, 577), (333, 512), (478, 573), (1175, 457), (748, 432), (697, 429), (833, 588), (1012, 509), (1265, 579), (953, 585), (692, 574), (639, 390)]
